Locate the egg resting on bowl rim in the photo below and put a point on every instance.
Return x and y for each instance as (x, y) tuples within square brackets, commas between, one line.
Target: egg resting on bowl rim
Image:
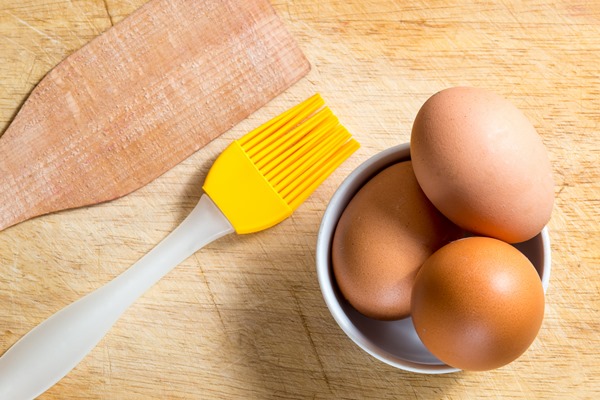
[(482, 164)]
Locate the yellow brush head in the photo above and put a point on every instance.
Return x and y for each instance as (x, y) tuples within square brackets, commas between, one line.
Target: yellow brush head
[(260, 179)]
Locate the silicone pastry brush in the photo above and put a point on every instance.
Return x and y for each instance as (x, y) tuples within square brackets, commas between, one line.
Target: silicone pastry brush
[(257, 182)]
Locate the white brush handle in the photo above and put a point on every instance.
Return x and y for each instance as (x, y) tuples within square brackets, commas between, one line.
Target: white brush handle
[(48, 352)]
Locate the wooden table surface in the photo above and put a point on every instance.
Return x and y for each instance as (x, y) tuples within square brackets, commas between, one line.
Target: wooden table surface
[(244, 318)]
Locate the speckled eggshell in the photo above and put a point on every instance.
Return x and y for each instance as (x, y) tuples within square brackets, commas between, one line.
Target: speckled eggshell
[(384, 235), (481, 162), (477, 303)]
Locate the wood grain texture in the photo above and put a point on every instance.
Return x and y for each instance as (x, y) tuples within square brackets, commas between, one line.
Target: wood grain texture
[(139, 99), (244, 318)]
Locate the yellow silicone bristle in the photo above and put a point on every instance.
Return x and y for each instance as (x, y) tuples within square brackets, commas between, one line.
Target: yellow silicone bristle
[(260, 179), (261, 137), (286, 145), (284, 181), (324, 169), (296, 151)]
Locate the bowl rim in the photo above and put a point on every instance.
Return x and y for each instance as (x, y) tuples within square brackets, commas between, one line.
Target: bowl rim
[(338, 202)]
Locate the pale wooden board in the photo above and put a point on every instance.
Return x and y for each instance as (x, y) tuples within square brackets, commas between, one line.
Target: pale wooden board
[(244, 318)]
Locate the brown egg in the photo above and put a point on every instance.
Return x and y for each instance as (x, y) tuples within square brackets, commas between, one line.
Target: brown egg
[(477, 303), (386, 232), (482, 164)]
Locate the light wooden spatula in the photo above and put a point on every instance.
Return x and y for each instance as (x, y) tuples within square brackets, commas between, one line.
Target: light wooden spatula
[(139, 99)]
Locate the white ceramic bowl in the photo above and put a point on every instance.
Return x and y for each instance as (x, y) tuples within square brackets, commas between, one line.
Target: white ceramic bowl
[(393, 342)]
